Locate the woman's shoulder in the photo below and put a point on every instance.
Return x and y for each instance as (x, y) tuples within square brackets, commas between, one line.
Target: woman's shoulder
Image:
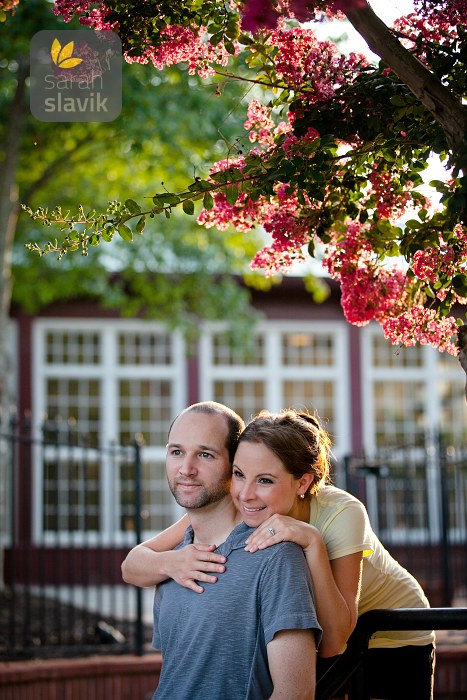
[(333, 496)]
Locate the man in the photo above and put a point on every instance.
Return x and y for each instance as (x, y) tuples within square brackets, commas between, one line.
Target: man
[(252, 635)]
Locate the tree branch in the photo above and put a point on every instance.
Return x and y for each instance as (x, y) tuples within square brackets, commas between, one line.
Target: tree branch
[(445, 107)]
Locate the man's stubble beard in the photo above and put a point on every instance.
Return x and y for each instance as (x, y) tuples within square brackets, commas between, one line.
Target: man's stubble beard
[(204, 498)]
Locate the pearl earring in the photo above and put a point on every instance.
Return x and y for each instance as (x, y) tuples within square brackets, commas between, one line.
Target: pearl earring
[(302, 495)]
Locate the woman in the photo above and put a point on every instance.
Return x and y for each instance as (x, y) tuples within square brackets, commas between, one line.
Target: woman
[(281, 469)]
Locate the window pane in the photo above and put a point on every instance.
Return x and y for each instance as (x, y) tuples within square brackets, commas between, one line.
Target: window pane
[(146, 406), (68, 347), (308, 349), (384, 354), (157, 507), (226, 353), (144, 349), (453, 419), (399, 412), (71, 495), (312, 396), (78, 399), (246, 398), (404, 505)]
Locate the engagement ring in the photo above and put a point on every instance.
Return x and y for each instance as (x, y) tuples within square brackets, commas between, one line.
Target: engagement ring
[(271, 531)]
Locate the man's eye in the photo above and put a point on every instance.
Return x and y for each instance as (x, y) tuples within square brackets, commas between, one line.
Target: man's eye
[(206, 455)]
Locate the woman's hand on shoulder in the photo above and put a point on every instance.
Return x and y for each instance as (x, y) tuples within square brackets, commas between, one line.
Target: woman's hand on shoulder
[(282, 528), (194, 564)]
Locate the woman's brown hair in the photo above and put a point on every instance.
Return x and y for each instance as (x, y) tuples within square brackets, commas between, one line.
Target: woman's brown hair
[(297, 439)]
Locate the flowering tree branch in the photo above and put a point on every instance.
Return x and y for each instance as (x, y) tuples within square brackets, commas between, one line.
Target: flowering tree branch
[(445, 107), (337, 149)]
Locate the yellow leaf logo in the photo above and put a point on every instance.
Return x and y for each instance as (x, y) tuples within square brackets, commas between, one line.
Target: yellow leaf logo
[(62, 56)]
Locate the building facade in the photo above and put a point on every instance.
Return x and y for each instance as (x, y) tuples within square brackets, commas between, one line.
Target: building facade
[(116, 378)]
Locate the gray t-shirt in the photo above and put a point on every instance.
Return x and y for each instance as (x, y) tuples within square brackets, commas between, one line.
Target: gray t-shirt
[(214, 644)]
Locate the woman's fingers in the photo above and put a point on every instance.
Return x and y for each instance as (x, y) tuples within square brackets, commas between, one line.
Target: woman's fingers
[(210, 561), (268, 533), (280, 528), (197, 564)]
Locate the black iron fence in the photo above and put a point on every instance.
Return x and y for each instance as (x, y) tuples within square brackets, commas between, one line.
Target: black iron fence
[(416, 496), (69, 513)]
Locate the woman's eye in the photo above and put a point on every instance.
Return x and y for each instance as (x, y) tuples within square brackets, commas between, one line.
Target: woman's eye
[(237, 474), (264, 480)]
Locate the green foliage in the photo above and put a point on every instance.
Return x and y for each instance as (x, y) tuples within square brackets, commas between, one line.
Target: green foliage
[(359, 156), (170, 127)]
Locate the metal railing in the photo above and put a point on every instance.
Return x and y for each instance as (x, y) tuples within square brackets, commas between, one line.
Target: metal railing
[(416, 497), (348, 669), (64, 533)]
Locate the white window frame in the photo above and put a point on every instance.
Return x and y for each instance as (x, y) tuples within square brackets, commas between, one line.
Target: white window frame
[(108, 372), (429, 373), (272, 373)]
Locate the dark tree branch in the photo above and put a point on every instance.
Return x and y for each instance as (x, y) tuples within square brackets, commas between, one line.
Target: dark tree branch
[(445, 107)]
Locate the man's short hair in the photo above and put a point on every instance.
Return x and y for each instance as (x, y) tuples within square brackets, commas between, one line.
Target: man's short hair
[(235, 424)]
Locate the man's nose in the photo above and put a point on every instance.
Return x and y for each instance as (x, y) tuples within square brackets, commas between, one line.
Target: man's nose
[(188, 466)]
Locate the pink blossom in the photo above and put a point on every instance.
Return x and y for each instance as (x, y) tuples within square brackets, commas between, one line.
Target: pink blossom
[(369, 291), (349, 5), (454, 12), (260, 123), (304, 61), (421, 325), (302, 10), (448, 259), (8, 4), (391, 202), (89, 16), (183, 45), (272, 260), (259, 14)]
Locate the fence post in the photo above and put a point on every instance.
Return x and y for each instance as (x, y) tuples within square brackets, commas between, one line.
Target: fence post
[(139, 643), (444, 505)]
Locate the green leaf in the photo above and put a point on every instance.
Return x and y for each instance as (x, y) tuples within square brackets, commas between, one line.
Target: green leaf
[(231, 195), (412, 224), (108, 234), (188, 206), (132, 206), (172, 199), (208, 201), (125, 232), (141, 224)]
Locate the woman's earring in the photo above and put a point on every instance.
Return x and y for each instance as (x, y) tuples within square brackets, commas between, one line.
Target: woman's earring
[(302, 495)]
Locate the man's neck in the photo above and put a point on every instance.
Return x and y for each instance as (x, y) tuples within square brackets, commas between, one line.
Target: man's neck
[(214, 523)]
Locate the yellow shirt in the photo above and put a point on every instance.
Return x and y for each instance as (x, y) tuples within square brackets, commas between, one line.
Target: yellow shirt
[(345, 528)]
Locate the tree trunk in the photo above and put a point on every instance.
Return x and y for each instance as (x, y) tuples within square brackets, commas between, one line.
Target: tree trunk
[(9, 211), (462, 345), (445, 107)]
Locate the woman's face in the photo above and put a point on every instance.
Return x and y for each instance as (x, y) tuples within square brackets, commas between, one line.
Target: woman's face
[(261, 485)]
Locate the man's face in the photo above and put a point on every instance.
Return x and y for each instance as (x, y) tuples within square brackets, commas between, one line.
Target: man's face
[(198, 467)]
